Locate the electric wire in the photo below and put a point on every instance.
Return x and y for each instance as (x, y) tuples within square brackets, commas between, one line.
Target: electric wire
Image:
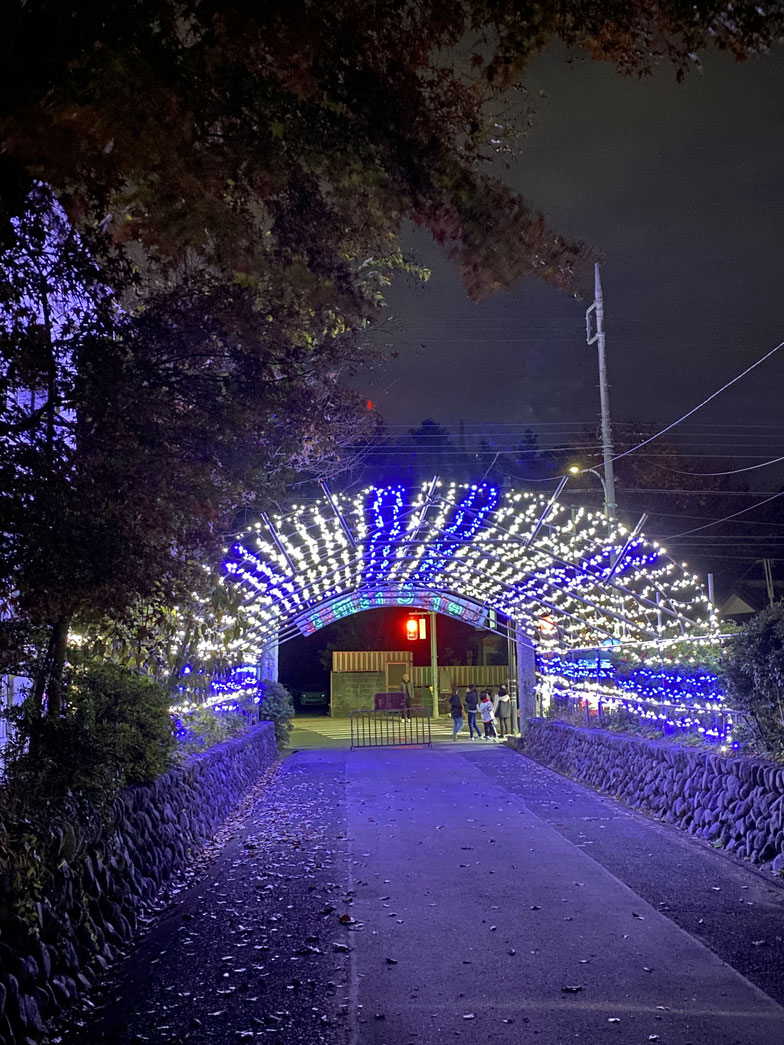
[(726, 518), (703, 403)]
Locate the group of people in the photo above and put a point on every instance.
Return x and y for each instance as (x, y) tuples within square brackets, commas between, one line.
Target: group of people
[(494, 711)]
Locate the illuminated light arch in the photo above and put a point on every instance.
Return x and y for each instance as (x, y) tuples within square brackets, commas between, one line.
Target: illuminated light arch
[(556, 573)]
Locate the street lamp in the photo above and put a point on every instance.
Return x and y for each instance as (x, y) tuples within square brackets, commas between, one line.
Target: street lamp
[(575, 469)]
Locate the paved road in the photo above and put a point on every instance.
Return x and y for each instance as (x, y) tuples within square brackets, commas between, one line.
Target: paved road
[(414, 896)]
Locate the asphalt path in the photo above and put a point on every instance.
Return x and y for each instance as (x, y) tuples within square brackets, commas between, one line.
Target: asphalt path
[(386, 897)]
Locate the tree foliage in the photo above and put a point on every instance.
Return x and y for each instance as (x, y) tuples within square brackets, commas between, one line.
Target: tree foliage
[(276, 706), (301, 133), (115, 730), (217, 192), (754, 674)]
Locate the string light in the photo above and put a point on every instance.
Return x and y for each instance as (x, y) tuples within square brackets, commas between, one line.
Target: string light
[(474, 547), (677, 701)]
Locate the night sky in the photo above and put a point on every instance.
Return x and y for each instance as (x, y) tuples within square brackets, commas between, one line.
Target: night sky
[(679, 186)]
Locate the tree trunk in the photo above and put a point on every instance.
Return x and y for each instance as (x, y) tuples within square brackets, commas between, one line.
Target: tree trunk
[(49, 679), (42, 677), (60, 645)]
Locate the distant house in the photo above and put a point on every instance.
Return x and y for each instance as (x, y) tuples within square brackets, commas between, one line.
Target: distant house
[(752, 594)]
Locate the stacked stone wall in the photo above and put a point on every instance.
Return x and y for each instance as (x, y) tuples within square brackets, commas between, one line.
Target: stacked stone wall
[(735, 803), (103, 879)]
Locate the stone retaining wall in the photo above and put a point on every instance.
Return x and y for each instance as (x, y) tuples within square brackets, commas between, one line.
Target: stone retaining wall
[(736, 803), (102, 879)]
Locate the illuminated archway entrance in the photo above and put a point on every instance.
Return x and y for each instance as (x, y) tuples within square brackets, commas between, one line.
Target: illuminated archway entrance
[(549, 574)]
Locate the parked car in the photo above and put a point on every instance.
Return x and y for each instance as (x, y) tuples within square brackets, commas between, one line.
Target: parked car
[(316, 698)]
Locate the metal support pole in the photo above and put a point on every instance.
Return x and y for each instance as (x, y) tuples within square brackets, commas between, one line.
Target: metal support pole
[(514, 682), (434, 661), (338, 514), (767, 570), (604, 395)]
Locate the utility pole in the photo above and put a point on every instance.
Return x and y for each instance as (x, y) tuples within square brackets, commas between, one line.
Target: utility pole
[(604, 395), (434, 662)]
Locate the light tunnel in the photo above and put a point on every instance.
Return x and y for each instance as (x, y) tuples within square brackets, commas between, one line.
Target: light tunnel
[(563, 577)]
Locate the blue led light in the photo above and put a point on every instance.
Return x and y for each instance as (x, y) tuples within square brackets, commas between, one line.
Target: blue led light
[(467, 546)]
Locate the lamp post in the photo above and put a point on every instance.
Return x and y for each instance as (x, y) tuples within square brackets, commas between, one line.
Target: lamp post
[(575, 469)]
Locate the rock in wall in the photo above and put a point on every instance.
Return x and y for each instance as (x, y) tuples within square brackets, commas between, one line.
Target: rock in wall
[(736, 803), (105, 876)]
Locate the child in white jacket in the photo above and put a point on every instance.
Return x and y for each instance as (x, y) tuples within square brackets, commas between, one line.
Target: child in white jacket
[(486, 711)]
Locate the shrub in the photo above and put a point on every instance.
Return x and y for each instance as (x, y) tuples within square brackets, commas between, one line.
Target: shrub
[(62, 775), (277, 706), (115, 730), (203, 728), (754, 674)]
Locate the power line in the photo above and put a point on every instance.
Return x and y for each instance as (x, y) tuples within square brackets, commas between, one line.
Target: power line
[(727, 517), (732, 471), (702, 404)]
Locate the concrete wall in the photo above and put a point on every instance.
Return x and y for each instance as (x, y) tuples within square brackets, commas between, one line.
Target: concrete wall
[(100, 879), (354, 690), (735, 803)]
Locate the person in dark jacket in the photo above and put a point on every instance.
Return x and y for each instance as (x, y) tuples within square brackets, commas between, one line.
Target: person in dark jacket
[(502, 708), (456, 710), (472, 705), (406, 690)]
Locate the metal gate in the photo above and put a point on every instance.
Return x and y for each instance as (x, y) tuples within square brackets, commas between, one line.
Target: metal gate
[(392, 728)]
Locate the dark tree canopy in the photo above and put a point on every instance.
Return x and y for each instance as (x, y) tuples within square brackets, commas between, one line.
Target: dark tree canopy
[(300, 133), (221, 187)]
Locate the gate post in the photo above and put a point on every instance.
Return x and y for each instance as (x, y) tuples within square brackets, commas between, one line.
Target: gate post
[(526, 677), (267, 667)]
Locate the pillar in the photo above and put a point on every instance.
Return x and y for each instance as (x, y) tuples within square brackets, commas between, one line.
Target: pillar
[(267, 667), (526, 676)]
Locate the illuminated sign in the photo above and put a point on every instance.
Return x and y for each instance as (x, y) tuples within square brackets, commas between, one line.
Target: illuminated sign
[(450, 606)]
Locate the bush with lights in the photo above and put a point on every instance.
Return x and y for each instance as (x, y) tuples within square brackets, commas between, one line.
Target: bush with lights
[(754, 671), (671, 689)]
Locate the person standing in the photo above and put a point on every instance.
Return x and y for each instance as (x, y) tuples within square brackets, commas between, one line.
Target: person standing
[(406, 689), (456, 710), (472, 707), (502, 708), (486, 711)]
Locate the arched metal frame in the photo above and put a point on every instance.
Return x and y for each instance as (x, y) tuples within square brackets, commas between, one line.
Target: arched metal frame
[(554, 572)]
